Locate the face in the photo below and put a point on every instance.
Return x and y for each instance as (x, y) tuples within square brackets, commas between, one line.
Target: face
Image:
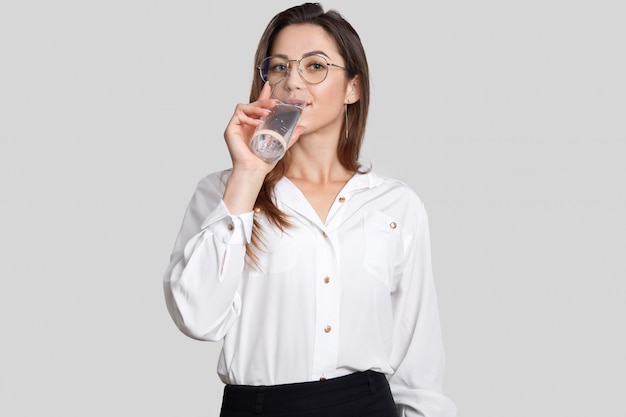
[(324, 109)]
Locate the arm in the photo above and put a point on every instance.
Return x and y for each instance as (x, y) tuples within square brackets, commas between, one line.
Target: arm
[(418, 353), (201, 281), (207, 262)]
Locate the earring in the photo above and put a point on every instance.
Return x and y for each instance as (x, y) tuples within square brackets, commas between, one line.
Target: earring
[(346, 113)]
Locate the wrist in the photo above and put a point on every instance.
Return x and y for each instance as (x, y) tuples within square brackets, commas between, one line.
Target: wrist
[(242, 189)]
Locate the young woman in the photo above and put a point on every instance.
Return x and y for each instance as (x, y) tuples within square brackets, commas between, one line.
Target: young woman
[(314, 271)]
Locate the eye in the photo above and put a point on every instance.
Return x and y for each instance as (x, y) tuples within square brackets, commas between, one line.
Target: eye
[(278, 67), (314, 64), (275, 65)]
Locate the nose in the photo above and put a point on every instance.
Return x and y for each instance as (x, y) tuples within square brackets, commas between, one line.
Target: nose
[(294, 79)]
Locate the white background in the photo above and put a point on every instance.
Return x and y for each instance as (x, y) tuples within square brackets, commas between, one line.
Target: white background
[(507, 118)]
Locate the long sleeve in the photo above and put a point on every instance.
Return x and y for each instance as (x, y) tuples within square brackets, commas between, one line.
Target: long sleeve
[(201, 281), (418, 353)]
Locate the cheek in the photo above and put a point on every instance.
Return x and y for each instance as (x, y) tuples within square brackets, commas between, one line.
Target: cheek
[(327, 104), (322, 113), (330, 102), (330, 93)]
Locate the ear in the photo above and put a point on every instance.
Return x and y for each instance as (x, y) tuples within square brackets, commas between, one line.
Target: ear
[(353, 91)]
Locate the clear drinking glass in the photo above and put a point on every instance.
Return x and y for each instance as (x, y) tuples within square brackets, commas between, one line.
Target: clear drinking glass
[(272, 136)]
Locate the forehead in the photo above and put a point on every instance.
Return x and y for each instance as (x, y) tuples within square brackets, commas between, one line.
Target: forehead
[(296, 40)]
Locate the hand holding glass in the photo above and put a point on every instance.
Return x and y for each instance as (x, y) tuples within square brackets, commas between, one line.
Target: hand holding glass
[(272, 136)]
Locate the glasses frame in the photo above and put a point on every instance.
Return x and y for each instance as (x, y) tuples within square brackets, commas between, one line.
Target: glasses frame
[(289, 61)]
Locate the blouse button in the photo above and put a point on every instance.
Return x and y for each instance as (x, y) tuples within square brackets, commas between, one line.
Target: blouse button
[(342, 199), (231, 227), (322, 378), (393, 225), (327, 329), (324, 234), (326, 280)]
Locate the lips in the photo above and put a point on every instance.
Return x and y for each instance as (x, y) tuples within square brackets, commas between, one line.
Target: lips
[(296, 102)]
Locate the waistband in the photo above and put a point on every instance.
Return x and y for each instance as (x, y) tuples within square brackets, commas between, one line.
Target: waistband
[(302, 395)]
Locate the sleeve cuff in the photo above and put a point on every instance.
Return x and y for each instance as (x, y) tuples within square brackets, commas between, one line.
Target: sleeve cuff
[(232, 229)]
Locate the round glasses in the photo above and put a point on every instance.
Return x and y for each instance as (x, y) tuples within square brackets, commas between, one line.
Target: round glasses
[(313, 69)]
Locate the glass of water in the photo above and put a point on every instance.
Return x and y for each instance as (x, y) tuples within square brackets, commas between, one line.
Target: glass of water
[(272, 136)]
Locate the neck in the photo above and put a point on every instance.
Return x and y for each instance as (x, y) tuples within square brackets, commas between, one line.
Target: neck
[(316, 162)]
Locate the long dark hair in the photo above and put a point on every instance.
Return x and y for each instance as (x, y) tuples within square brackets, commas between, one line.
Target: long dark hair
[(355, 62)]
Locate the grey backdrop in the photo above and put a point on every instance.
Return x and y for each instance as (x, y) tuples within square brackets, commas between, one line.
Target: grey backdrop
[(508, 118)]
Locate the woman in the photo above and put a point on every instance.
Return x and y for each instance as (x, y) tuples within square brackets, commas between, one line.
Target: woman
[(314, 271)]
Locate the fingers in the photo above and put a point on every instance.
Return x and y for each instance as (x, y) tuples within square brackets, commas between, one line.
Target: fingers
[(247, 113), (250, 114), (244, 121)]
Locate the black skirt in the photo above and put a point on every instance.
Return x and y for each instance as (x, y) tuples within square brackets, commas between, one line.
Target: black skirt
[(362, 394)]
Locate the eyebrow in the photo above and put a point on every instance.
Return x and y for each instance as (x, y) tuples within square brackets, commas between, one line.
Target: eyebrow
[(305, 54)]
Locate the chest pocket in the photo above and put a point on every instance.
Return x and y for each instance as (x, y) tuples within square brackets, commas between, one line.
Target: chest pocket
[(383, 246)]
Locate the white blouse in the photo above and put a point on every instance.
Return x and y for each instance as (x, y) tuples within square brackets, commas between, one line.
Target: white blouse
[(328, 299)]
